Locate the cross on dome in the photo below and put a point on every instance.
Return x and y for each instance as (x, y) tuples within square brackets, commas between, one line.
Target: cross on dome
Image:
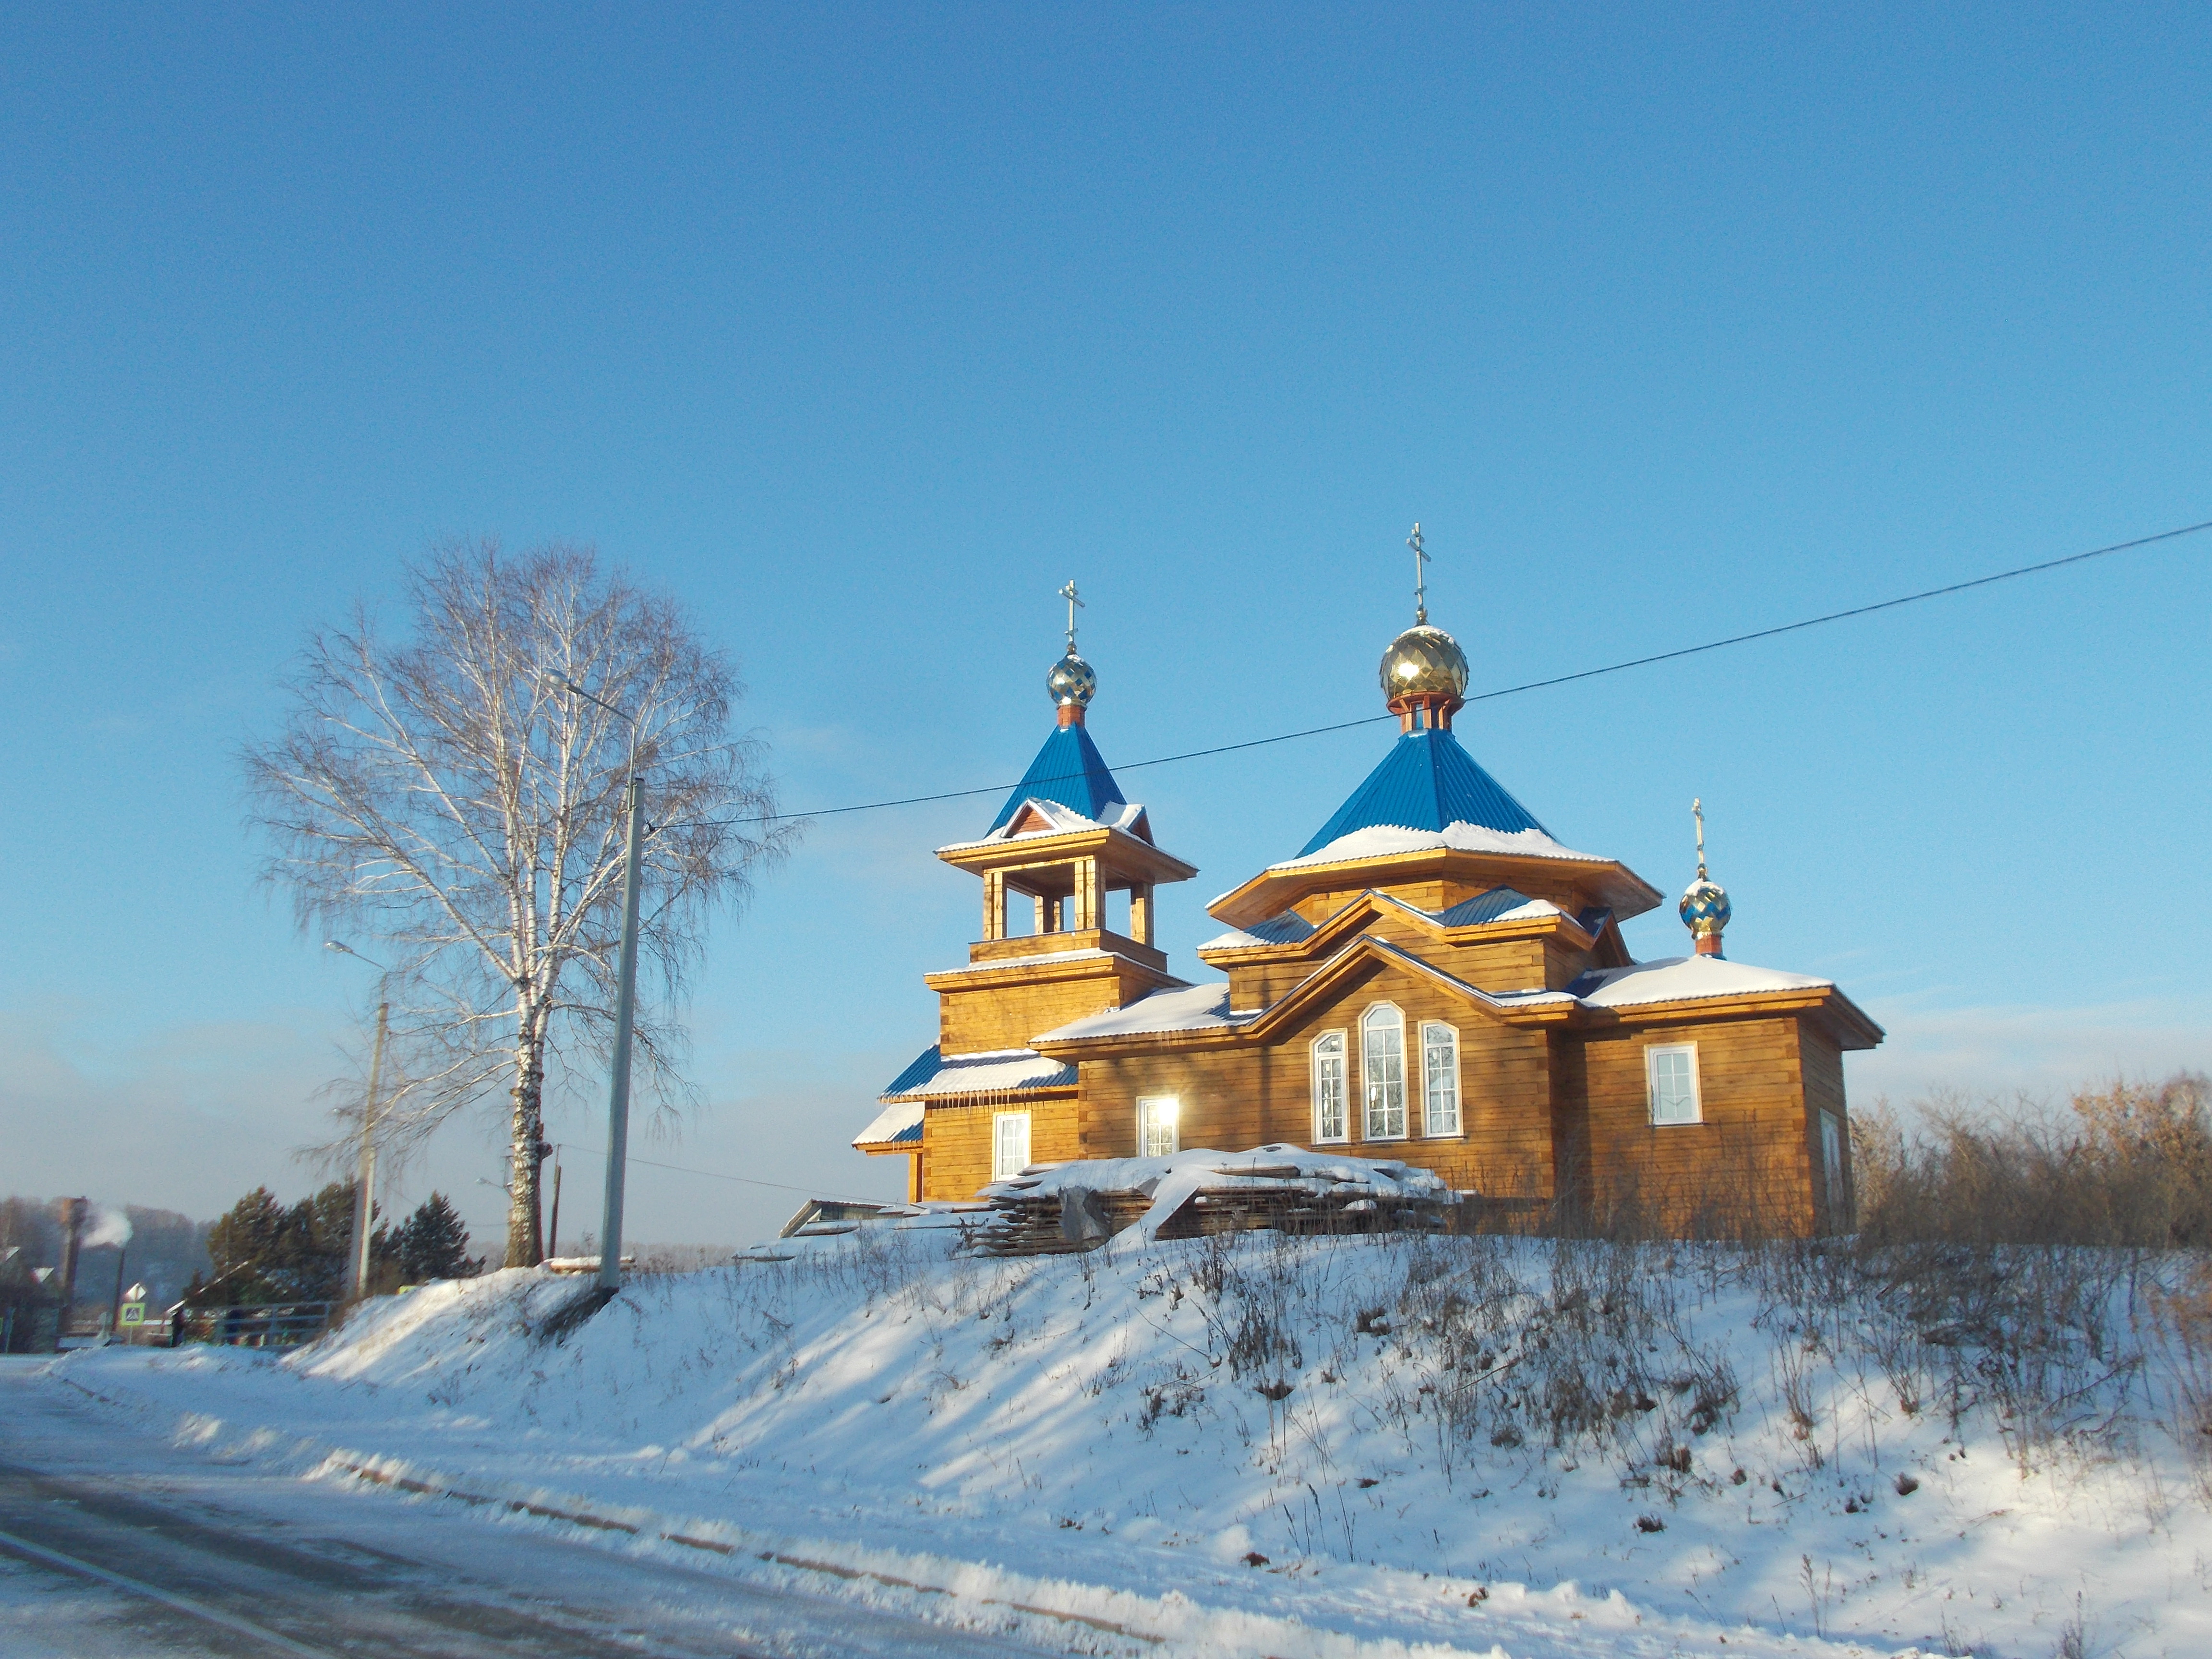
[(1073, 604), (1704, 909), (1420, 577)]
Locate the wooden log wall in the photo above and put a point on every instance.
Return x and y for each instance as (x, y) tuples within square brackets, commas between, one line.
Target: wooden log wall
[(955, 1142)]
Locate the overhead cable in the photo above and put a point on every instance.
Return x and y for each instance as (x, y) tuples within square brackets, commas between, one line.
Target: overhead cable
[(1511, 690)]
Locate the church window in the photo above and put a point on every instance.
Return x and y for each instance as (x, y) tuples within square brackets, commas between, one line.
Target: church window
[(1010, 1145), (1158, 1126), (1382, 1067), (1832, 1170), (1331, 1119), (1672, 1072), (1440, 1079)]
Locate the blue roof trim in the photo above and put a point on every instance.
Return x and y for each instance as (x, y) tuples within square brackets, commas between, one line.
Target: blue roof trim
[(1425, 782), (1592, 920), (909, 1135), (1483, 907), (1285, 929), (1070, 770), (926, 1066)]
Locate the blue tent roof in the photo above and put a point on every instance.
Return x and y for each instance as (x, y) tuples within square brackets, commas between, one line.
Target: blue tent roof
[(1070, 770), (1426, 781)]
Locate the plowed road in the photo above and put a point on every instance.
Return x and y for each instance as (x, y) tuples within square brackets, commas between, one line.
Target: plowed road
[(115, 1543)]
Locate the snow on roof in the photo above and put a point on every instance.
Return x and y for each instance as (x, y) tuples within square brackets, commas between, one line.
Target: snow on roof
[(899, 1123), (1499, 904), (1288, 928), (1193, 1008), (1383, 840), (993, 967), (1127, 817), (1672, 979), (997, 1072), (1170, 1182)]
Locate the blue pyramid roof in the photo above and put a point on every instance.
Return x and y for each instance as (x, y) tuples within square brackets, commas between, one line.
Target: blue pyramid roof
[(1068, 769), (1426, 781)]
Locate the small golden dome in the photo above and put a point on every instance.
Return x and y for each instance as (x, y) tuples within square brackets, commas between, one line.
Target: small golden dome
[(1424, 662), (1072, 684)]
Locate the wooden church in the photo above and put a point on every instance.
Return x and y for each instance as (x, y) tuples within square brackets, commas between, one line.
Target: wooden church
[(1433, 977)]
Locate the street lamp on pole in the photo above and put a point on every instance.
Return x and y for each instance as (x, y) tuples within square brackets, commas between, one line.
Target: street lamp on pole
[(610, 1278), (364, 1211)]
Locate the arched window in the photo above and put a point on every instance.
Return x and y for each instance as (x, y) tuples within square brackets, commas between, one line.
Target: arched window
[(1439, 1079), (1383, 1068), (1331, 1120)]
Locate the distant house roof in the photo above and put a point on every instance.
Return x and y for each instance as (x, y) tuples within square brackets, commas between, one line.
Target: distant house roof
[(1426, 781), (1068, 769)]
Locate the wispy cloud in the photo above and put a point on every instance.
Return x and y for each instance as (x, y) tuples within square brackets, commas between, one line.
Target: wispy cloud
[(2001, 1048)]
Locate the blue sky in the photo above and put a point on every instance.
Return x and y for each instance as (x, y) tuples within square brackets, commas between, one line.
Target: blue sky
[(864, 329)]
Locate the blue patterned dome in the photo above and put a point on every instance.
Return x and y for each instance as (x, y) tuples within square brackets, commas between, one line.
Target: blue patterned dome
[(1705, 909)]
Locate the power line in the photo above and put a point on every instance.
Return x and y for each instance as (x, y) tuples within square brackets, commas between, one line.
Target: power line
[(1509, 691), (716, 1174)]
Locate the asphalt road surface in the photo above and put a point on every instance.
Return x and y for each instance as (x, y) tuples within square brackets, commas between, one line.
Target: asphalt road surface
[(115, 1543)]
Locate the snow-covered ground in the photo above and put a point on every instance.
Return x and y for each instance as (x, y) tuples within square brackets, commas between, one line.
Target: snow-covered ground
[(1259, 1444)]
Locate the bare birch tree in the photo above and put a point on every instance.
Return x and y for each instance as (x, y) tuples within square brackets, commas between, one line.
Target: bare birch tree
[(446, 793)]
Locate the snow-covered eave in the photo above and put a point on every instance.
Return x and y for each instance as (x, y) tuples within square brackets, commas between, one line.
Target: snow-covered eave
[(1736, 990), (896, 1127), (993, 1072), (1537, 916), (1273, 890), (1088, 830)]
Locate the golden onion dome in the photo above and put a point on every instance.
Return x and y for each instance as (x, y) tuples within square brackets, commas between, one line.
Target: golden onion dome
[(1071, 683), (1424, 662)]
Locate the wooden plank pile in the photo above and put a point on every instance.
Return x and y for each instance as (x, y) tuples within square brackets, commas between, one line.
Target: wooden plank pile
[(1034, 1216)]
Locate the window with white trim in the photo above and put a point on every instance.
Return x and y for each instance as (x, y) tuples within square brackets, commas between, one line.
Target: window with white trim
[(1439, 1079), (1832, 1170), (1332, 1122), (1156, 1132), (1010, 1145), (1383, 1069), (1671, 1072)]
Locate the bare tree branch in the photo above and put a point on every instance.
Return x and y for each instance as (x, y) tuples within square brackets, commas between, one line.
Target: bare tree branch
[(443, 793)]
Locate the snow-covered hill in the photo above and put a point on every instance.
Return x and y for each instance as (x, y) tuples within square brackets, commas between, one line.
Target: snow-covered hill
[(1258, 1444)]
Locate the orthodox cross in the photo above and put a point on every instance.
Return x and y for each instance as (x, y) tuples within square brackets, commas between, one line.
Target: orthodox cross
[(1068, 593), (1420, 578), (1697, 811)]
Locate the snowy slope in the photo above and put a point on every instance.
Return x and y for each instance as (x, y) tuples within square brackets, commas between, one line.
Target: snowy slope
[(1265, 1445)]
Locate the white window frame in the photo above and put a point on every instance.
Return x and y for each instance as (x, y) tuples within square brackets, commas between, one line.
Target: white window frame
[(1152, 1119), (1374, 1096), (1832, 1168), (1000, 1123), (1341, 1059), (1651, 1058), (1431, 1125)]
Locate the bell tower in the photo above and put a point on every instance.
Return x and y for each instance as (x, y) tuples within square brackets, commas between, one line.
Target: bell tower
[(1065, 843)]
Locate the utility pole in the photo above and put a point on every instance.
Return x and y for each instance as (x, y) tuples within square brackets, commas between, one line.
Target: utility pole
[(625, 1011), (364, 1201)]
